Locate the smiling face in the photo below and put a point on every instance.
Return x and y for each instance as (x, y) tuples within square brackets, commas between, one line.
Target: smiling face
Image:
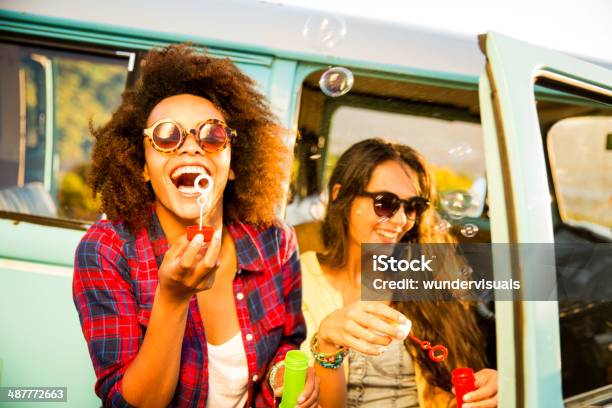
[(172, 175), (365, 226)]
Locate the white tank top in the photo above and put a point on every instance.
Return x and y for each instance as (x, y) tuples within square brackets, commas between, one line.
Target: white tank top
[(228, 374)]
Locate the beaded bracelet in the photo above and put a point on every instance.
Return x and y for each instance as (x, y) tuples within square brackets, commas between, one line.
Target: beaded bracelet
[(327, 360), (273, 371)]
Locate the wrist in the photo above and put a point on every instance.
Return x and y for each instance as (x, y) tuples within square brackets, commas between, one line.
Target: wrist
[(171, 300), (324, 345), (327, 355), (274, 373), (324, 342)]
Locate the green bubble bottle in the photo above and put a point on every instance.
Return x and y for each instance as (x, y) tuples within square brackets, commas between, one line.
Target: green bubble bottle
[(296, 363)]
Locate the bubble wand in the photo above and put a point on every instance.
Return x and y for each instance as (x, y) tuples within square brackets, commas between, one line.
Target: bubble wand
[(437, 353), (202, 200), (462, 377)]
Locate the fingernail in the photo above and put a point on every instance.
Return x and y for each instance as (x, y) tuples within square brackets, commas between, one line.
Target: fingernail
[(401, 335), (467, 398), (381, 349), (301, 399), (402, 318), (199, 239), (217, 234), (405, 328), (466, 405)]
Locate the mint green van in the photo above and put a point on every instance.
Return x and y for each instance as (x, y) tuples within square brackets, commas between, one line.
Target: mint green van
[(526, 131)]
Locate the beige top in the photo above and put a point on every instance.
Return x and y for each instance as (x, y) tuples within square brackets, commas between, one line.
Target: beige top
[(319, 299), (388, 379)]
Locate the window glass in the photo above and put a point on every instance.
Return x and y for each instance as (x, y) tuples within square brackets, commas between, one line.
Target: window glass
[(575, 132), (441, 123), (454, 149), (581, 166), (47, 104)]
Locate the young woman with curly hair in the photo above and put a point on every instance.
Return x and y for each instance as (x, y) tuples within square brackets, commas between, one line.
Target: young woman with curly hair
[(173, 322), (381, 192)]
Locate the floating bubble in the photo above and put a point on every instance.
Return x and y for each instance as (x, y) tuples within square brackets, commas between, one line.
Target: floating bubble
[(322, 31), (460, 151), (469, 230), (317, 210), (336, 81), (456, 203), (466, 272), (442, 227)]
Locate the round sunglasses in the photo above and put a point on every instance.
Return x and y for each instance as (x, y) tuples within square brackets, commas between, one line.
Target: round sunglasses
[(212, 135), (386, 204)]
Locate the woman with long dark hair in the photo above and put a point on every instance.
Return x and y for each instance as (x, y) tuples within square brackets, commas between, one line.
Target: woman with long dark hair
[(380, 192)]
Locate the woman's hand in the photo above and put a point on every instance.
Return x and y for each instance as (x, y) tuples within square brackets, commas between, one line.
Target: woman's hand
[(310, 396), (366, 327), (189, 267), (485, 395)]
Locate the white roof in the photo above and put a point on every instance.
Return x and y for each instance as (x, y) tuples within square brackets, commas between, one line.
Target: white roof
[(274, 29)]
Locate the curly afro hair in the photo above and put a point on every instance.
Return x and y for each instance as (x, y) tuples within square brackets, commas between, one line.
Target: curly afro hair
[(260, 159)]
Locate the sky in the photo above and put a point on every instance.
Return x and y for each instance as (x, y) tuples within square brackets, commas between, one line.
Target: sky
[(580, 27)]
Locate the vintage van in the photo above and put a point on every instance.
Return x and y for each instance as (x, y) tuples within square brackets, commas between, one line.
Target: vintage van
[(523, 133)]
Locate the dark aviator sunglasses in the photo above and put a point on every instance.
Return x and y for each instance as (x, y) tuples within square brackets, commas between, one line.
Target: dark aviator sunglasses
[(386, 204)]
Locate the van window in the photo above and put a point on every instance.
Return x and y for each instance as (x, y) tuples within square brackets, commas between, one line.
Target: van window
[(453, 148), (47, 101), (581, 167), (440, 122), (575, 132)]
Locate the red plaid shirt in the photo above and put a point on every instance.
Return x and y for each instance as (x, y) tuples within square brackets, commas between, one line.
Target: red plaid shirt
[(115, 277)]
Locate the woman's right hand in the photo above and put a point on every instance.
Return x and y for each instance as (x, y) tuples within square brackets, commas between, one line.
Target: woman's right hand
[(366, 327), (189, 267)]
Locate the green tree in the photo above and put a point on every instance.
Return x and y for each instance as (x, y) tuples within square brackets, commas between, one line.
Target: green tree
[(84, 91)]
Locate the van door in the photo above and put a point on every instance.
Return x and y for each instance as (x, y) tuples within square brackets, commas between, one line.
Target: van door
[(550, 181)]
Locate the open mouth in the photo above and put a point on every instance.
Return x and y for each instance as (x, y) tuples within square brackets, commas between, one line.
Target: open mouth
[(184, 178)]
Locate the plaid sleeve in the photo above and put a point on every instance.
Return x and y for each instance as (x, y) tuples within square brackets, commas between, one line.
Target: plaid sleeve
[(295, 328), (107, 310)]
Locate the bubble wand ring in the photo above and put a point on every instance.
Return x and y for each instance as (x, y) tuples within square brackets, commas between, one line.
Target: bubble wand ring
[(437, 353)]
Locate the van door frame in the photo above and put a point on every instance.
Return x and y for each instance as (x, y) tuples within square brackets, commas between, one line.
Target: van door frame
[(517, 177)]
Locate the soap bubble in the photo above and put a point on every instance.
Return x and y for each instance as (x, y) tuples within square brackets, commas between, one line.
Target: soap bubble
[(323, 31), (460, 151), (466, 272), (336, 81), (469, 230), (456, 203), (442, 226)]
